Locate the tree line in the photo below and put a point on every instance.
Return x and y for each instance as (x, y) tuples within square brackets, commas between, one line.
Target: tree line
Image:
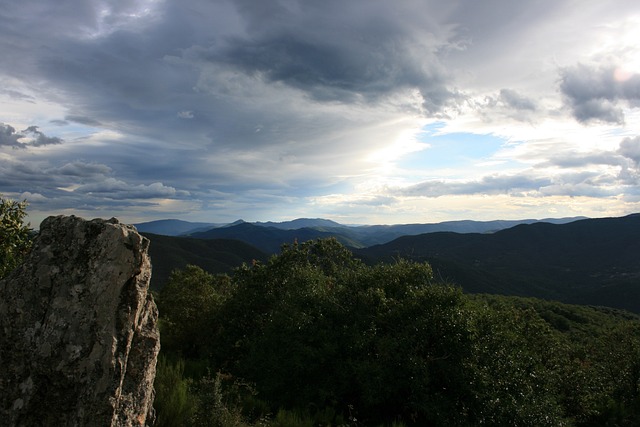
[(314, 336)]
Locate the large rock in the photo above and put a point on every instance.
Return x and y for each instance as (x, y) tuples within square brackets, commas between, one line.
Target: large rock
[(79, 337)]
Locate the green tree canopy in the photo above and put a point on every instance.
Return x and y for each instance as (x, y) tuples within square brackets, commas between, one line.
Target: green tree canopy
[(327, 339), (15, 238)]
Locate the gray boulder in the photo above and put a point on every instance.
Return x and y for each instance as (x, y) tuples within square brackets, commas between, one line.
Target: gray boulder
[(78, 328)]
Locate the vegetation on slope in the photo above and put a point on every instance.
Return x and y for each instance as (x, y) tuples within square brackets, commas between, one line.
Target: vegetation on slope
[(15, 236), (269, 239), (213, 255), (591, 261), (316, 337)]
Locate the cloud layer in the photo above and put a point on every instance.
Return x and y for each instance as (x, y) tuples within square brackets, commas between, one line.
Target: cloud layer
[(214, 110)]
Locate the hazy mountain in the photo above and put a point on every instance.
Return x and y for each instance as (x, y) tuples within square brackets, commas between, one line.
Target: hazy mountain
[(301, 223), (356, 236), (591, 261), (172, 227)]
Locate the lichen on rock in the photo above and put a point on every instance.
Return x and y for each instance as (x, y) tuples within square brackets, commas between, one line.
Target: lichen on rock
[(79, 337)]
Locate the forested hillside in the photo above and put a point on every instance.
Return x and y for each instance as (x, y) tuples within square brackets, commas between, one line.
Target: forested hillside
[(316, 337), (215, 255), (593, 261)]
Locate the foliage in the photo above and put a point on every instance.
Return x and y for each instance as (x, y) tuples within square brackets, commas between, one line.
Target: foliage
[(324, 339), (215, 408), (15, 239), (185, 304), (174, 403), (202, 402)]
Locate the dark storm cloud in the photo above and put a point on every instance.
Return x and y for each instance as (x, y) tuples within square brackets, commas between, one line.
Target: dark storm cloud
[(334, 69), (336, 51), (599, 93), (29, 137), (219, 63)]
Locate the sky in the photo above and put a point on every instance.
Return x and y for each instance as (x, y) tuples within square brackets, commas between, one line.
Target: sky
[(360, 111)]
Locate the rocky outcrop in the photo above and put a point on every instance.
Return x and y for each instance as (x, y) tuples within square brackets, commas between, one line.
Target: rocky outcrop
[(78, 328)]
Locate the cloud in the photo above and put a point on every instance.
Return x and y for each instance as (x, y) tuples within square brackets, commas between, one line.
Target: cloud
[(185, 114), (116, 189), (82, 120), (83, 170), (598, 93), (29, 137), (494, 184), (505, 106), (9, 137), (570, 173), (514, 100), (39, 139), (630, 148), (521, 185), (345, 53), (79, 185), (332, 69), (14, 94)]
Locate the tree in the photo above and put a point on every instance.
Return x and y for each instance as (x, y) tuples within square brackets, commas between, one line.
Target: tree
[(316, 328), (185, 304), (15, 236)]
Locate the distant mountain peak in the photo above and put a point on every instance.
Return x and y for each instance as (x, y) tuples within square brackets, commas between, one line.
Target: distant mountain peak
[(300, 223)]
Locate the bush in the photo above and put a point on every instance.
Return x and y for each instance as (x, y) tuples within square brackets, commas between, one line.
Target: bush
[(15, 236), (174, 404)]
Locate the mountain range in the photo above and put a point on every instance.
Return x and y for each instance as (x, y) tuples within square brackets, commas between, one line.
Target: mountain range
[(351, 235), (577, 260)]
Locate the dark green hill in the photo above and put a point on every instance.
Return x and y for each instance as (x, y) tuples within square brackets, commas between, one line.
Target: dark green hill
[(215, 256), (270, 239), (378, 234), (592, 261)]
